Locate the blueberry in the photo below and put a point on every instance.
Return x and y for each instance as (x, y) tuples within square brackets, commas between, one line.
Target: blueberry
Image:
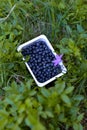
[(40, 61)]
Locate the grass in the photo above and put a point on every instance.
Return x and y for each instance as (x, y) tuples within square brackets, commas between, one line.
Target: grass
[(65, 25)]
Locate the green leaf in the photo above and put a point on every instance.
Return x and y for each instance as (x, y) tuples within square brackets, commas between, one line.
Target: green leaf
[(16, 127), (49, 114), (58, 129), (83, 36), (74, 110), (80, 127), (28, 84), (28, 102), (3, 113), (19, 55), (41, 99), (69, 90), (43, 115), (11, 65), (32, 93), (27, 58), (21, 108), (45, 92), (27, 122), (78, 97), (58, 109), (64, 51), (80, 29), (38, 126), (61, 117), (75, 126), (3, 123), (8, 101), (61, 5), (60, 86), (65, 99), (20, 119), (80, 117), (68, 29)]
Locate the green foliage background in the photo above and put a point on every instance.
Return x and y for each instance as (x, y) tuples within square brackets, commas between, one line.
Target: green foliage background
[(57, 106)]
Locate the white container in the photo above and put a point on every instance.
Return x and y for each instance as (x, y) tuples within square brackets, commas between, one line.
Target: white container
[(42, 38)]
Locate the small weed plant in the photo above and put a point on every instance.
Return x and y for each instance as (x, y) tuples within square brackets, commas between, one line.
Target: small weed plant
[(57, 106)]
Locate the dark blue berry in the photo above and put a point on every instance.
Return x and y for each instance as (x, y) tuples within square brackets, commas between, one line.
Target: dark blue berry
[(40, 61)]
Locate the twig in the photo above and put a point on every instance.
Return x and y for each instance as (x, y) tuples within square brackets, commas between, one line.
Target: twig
[(5, 18)]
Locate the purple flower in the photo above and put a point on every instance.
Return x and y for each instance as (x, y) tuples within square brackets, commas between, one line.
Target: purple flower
[(58, 59)]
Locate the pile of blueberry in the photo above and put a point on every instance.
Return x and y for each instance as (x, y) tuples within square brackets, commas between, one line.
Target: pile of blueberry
[(40, 61)]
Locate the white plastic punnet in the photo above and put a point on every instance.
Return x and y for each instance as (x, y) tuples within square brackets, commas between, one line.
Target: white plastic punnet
[(42, 38)]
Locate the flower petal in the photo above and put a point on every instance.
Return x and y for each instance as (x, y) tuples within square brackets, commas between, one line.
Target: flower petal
[(58, 59)]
